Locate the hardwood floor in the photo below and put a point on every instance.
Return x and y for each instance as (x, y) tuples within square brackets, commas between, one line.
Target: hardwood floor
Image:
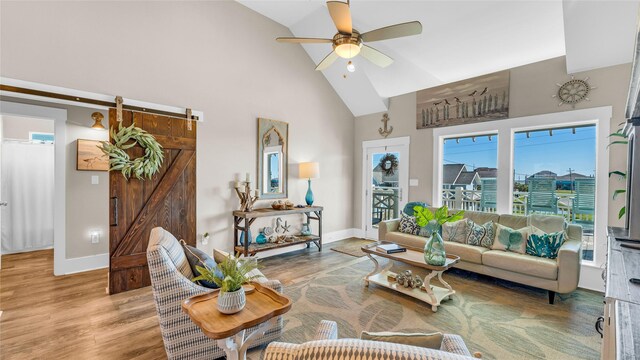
[(72, 317)]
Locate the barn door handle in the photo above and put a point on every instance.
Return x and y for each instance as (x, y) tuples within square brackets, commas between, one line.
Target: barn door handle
[(115, 211)]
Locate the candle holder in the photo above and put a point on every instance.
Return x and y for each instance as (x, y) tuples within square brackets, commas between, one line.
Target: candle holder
[(243, 190)]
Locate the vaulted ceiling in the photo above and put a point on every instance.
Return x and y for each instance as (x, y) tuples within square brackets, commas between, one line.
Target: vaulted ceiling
[(459, 40)]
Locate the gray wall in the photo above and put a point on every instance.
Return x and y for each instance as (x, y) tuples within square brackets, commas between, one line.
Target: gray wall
[(87, 204), (194, 54), (16, 127), (530, 94)]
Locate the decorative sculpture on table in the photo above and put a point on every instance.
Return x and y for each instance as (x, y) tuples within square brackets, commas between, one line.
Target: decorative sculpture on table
[(244, 192), (407, 280)]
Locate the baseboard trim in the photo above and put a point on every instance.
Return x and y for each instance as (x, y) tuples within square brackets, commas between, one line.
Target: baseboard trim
[(327, 238), (85, 263)]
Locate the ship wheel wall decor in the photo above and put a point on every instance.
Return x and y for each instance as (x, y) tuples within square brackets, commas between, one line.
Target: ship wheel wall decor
[(573, 91)]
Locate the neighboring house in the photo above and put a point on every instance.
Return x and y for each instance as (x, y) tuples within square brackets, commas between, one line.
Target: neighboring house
[(565, 182), (457, 176), (544, 174), (487, 172), (380, 177)]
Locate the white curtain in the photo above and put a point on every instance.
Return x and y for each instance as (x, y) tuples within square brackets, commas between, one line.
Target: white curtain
[(28, 186)]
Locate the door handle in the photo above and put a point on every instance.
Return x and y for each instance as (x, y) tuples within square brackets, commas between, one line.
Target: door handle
[(4, 203), (115, 211), (599, 326)]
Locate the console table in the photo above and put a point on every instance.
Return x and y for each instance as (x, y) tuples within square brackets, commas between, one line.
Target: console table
[(242, 221), (620, 324)]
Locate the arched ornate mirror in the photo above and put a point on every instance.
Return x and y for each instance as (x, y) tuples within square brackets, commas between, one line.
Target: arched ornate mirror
[(272, 158)]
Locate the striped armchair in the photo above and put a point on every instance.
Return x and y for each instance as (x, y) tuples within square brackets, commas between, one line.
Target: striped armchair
[(171, 284), (327, 346)]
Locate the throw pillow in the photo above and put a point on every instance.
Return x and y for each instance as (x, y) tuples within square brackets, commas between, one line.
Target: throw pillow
[(408, 209), (545, 245), (197, 257), (408, 225), (455, 231), (480, 235), (429, 341), (508, 239)]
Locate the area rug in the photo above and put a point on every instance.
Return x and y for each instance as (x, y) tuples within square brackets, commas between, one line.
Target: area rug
[(503, 320), (353, 247)]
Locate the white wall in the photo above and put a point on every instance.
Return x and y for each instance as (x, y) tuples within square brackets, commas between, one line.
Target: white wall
[(16, 127), (218, 57)]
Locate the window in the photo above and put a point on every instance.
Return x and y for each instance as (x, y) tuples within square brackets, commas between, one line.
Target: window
[(555, 164), (469, 172), (554, 174), (42, 137)]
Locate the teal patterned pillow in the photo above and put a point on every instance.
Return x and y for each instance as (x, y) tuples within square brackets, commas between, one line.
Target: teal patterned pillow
[(508, 239), (480, 235), (545, 245), (408, 225)]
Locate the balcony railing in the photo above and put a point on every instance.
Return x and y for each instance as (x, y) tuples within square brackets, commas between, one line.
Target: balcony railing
[(469, 200)]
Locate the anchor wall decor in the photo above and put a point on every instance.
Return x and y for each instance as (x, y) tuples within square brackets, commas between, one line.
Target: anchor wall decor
[(386, 131)]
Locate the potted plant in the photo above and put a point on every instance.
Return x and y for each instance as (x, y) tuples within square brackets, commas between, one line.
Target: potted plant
[(431, 227), (230, 275)]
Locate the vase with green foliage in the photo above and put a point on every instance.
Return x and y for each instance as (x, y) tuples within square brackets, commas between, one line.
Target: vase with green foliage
[(230, 275), (431, 225)]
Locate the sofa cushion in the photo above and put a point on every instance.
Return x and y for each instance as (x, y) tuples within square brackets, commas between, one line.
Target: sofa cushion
[(174, 250), (548, 223), (480, 217), (508, 239), (429, 341), (521, 263), (455, 231), (514, 221), (466, 252), (410, 241)]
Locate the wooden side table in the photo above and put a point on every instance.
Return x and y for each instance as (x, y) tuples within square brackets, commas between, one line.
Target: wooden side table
[(263, 307)]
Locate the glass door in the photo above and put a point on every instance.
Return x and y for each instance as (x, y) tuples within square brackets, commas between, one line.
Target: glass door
[(386, 182)]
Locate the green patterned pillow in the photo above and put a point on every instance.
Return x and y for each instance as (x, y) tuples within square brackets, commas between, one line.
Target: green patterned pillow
[(545, 245), (455, 231), (508, 239), (480, 235)]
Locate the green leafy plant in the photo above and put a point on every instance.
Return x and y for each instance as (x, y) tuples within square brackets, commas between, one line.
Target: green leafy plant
[(433, 221), (619, 134), (230, 274), (142, 167)]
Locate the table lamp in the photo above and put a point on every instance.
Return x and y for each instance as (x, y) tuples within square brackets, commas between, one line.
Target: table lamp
[(309, 170)]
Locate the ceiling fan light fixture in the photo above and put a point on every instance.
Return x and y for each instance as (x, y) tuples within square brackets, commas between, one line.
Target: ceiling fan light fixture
[(347, 51), (351, 67)]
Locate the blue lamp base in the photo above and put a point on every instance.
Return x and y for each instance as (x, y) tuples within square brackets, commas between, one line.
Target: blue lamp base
[(309, 197)]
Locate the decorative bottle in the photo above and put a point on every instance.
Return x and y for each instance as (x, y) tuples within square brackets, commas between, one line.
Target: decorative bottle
[(434, 253), (242, 233), (261, 239)]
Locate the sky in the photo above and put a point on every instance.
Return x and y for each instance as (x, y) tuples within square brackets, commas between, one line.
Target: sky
[(539, 152)]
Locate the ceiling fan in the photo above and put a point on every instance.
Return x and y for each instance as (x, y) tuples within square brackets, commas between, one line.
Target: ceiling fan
[(348, 42)]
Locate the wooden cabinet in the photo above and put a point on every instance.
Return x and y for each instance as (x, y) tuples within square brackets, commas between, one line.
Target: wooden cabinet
[(242, 221), (621, 318)]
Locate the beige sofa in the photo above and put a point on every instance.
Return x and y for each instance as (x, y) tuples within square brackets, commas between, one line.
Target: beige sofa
[(555, 275)]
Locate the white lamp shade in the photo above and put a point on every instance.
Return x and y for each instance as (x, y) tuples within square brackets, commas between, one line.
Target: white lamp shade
[(309, 170)]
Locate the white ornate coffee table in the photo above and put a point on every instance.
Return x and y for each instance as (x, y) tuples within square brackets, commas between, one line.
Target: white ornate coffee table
[(431, 294)]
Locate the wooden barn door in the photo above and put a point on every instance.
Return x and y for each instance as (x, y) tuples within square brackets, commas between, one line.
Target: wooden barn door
[(167, 200)]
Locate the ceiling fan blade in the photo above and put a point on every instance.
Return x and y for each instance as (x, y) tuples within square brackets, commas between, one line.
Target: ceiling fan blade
[(393, 31), (327, 61), (375, 56), (302, 40), (341, 15)]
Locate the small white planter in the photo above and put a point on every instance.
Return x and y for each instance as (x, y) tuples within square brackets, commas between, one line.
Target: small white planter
[(232, 302)]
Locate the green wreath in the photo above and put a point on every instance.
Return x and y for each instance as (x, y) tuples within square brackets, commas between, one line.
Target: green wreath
[(389, 164), (142, 167)]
